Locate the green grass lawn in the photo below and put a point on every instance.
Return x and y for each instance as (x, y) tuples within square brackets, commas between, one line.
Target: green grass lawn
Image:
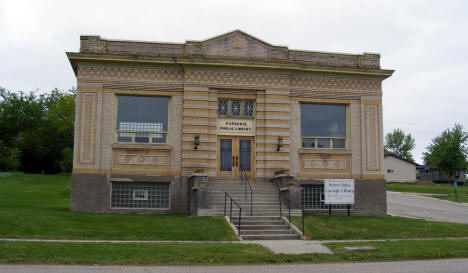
[(218, 253), (318, 227), (446, 189), (38, 206)]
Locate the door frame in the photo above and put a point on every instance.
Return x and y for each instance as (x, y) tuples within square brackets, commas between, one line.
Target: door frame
[(235, 172)]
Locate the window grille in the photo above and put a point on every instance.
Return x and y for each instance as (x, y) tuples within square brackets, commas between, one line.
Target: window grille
[(235, 108), (248, 109), (140, 195), (313, 197), (222, 108), (141, 126)]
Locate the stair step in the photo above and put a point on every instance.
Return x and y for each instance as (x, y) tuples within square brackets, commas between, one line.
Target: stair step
[(266, 231), (271, 237), (257, 222), (264, 227), (263, 218)]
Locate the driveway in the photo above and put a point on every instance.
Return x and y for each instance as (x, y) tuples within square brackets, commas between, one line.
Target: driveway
[(431, 266), (416, 206)]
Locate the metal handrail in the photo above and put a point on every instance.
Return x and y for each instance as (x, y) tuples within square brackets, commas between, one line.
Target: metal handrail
[(289, 201), (246, 182), (226, 195)]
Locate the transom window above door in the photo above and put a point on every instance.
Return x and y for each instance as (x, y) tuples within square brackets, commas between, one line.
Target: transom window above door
[(236, 108)]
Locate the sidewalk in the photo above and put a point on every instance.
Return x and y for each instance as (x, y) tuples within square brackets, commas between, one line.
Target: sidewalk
[(276, 246)]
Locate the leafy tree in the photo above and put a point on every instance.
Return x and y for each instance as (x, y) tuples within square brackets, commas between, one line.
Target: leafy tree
[(9, 158), (400, 144), (449, 151), (40, 127)]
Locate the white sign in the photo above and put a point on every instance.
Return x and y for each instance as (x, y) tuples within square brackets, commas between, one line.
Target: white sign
[(236, 127), (339, 191)]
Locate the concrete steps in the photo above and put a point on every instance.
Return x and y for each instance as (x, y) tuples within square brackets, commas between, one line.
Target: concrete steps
[(266, 223)]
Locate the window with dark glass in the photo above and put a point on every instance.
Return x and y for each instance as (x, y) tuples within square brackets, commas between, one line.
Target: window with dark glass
[(142, 119), (323, 126)]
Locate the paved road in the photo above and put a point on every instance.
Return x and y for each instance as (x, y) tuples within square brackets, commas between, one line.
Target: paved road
[(412, 205), (432, 266)]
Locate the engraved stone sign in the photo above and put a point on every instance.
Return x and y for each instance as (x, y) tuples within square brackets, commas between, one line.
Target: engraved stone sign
[(236, 127)]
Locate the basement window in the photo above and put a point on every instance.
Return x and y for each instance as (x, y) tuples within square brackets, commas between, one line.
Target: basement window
[(146, 195), (313, 198)]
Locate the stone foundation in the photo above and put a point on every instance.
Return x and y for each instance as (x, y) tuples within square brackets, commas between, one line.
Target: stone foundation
[(370, 198), (91, 193)]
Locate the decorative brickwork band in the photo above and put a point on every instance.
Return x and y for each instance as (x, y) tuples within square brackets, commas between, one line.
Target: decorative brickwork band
[(87, 123), (129, 74), (372, 136)]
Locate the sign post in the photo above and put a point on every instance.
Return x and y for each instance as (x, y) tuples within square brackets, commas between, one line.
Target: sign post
[(455, 185), (339, 192)]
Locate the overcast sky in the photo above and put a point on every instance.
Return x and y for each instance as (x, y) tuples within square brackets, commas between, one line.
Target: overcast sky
[(426, 42)]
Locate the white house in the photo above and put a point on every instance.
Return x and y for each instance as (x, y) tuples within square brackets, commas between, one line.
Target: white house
[(398, 169)]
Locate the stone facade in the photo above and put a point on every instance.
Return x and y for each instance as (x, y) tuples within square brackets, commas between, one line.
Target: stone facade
[(194, 76)]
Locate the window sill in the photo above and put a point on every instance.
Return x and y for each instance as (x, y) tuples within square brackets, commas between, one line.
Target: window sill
[(324, 151), (161, 147)]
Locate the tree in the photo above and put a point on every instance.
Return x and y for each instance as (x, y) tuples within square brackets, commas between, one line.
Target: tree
[(449, 151), (400, 144), (40, 128)]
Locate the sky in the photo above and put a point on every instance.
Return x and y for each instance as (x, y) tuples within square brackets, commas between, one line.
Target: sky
[(425, 42)]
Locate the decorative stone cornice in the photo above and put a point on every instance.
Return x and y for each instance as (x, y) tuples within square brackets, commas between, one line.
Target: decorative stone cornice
[(231, 49)]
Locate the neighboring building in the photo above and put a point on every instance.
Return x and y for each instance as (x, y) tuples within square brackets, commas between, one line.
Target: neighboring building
[(425, 172), (398, 169), (149, 115)]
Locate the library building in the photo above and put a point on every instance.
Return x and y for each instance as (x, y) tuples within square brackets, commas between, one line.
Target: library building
[(181, 127)]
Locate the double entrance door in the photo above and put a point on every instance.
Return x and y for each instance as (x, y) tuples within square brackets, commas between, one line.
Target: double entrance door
[(235, 154)]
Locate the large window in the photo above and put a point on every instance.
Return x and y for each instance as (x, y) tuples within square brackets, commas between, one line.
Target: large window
[(236, 108), (323, 126), (142, 119)]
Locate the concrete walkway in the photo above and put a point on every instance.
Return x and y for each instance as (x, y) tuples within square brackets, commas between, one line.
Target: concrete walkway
[(275, 246)]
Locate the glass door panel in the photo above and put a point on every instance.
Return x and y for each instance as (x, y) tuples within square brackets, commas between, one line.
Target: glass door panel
[(225, 159), (244, 154)]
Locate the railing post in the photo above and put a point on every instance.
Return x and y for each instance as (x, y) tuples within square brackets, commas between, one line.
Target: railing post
[(245, 190), (302, 209), (225, 197), (240, 216), (251, 204), (230, 210), (289, 208), (279, 196)]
